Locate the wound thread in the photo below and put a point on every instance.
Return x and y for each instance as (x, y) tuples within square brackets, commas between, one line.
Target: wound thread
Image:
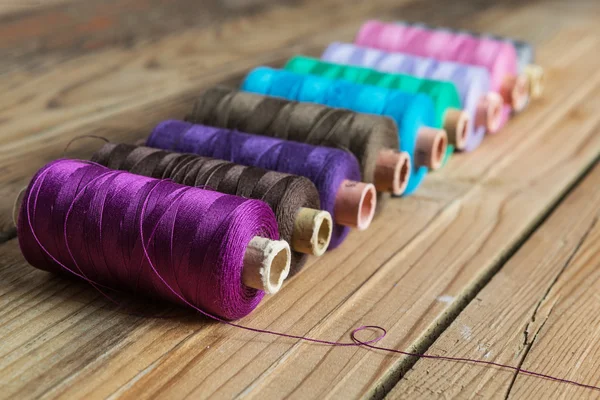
[(285, 194), (326, 167), (525, 50)]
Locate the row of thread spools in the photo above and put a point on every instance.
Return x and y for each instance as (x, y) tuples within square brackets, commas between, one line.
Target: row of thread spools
[(217, 210)]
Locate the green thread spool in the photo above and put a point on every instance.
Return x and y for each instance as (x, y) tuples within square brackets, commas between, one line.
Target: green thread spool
[(448, 107)]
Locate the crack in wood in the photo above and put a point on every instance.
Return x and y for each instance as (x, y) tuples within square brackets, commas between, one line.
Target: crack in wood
[(528, 344), (452, 313)]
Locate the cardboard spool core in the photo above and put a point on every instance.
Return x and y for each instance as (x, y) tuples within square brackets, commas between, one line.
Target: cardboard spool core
[(515, 91), (489, 112), (312, 231), (266, 264), (430, 148), (355, 204), (266, 261), (455, 124), (535, 74), (392, 171)]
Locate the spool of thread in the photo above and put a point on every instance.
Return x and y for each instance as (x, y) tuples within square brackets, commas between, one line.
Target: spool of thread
[(293, 199), (117, 230), (499, 58), (525, 54), (372, 139), (483, 106), (413, 113), (446, 100), (335, 173)]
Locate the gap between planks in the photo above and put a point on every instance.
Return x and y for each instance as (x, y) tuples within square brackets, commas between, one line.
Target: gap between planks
[(534, 313)]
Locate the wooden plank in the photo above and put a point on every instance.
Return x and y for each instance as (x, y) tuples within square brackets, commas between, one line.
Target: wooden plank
[(176, 63), (16, 8), (446, 242), (540, 312), (45, 34), (61, 339), (567, 326)]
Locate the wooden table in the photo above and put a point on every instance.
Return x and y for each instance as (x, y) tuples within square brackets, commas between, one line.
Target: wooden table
[(496, 258)]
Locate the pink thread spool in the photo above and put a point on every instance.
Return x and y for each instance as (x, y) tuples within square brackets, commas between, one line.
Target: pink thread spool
[(499, 58)]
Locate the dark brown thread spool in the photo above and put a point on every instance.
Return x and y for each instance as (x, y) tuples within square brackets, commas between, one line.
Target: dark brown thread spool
[(294, 199), (372, 139)]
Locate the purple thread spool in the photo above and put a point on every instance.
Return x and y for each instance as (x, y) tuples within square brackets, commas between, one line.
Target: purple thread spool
[(117, 230), (335, 173), (472, 82)]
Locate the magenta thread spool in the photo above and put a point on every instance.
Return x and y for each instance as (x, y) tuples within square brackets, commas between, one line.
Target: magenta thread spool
[(116, 230)]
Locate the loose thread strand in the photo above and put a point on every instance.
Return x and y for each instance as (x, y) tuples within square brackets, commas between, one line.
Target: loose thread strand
[(357, 342)]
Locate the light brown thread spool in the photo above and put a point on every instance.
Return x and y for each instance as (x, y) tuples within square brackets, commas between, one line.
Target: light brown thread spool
[(515, 91), (455, 125), (430, 148), (355, 204), (489, 112), (536, 76)]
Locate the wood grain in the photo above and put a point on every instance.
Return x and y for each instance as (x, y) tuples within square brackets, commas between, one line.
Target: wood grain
[(413, 276), (45, 34), (12, 9), (540, 312)]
